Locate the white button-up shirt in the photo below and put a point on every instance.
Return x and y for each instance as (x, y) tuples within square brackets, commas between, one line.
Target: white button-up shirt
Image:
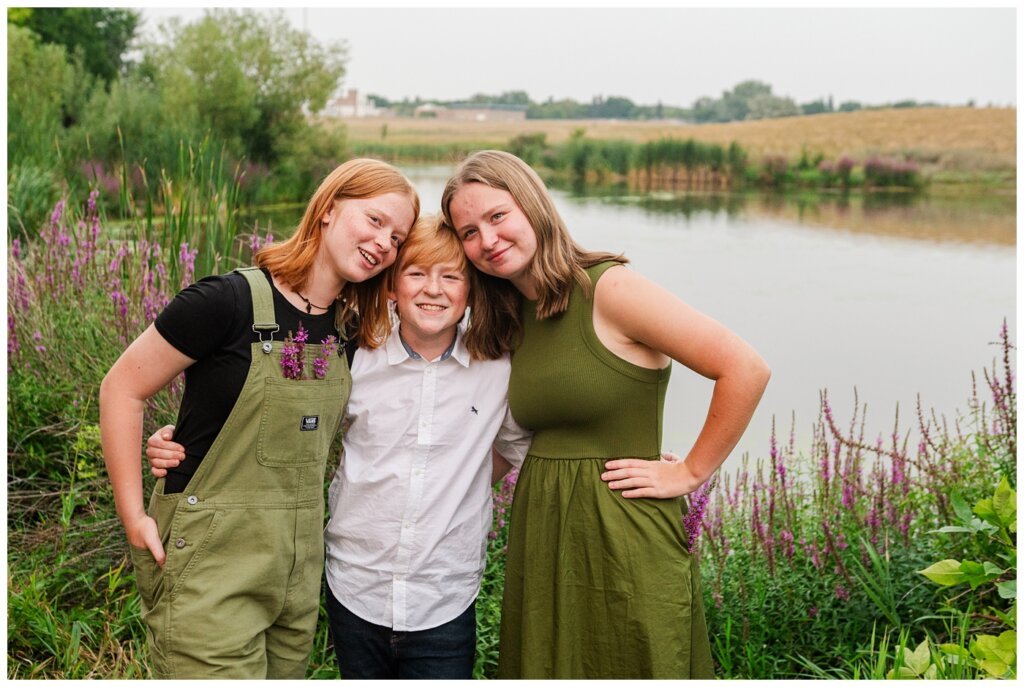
[(411, 502)]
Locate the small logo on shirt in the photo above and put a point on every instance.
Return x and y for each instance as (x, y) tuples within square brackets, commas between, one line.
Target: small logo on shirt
[(474, 410), (310, 423)]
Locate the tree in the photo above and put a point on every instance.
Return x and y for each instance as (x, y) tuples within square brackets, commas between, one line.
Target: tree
[(614, 107), (771, 106), (98, 35), (815, 107), (736, 104), (36, 78), (249, 75)]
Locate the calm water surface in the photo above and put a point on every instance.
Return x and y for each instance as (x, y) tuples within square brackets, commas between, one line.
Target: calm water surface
[(891, 297)]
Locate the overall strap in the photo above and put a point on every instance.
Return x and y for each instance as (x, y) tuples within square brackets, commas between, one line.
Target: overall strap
[(262, 301)]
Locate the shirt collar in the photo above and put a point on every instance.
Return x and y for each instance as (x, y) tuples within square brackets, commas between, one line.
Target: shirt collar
[(398, 352)]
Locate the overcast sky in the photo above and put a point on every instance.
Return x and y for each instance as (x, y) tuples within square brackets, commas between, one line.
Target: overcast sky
[(670, 55)]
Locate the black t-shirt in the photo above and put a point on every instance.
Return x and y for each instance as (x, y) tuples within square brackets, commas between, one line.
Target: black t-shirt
[(211, 322)]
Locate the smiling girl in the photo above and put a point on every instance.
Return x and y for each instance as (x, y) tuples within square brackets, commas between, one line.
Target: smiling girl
[(229, 554), (599, 580)]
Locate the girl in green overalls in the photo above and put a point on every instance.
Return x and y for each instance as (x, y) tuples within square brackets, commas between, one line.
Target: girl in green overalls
[(229, 555)]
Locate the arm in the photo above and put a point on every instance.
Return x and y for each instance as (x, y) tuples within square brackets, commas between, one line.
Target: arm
[(148, 365), (647, 322), (510, 447), (499, 466)]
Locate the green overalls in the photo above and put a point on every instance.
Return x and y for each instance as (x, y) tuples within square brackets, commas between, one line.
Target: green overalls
[(239, 594)]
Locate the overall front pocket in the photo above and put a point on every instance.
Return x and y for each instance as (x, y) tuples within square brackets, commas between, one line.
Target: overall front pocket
[(148, 575), (299, 420)]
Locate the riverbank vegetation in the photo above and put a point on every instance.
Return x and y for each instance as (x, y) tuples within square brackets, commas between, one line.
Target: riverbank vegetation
[(944, 147), (864, 546)]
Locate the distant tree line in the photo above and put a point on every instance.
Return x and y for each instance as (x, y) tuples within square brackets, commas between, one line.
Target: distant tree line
[(89, 103), (747, 100)]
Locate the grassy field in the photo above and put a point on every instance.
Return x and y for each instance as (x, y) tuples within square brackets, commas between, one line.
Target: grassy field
[(945, 141)]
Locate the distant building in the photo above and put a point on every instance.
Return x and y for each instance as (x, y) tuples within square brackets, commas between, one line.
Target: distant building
[(352, 104), (473, 112)]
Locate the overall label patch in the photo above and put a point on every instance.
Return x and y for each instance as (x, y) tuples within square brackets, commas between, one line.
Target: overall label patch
[(309, 423)]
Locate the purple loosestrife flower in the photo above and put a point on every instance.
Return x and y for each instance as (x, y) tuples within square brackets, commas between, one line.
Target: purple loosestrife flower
[(120, 302), (847, 499), (16, 249), (323, 361), (787, 543), (812, 551), (13, 346), (187, 260), (21, 294), (695, 515), (293, 354), (842, 593), (291, 367), (58, 212)]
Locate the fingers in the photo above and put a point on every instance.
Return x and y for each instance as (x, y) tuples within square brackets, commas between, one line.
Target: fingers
[(622, 463), (635, 478), (151, 537), (157, 472), (157, 549), (625, 469), (644, 493), (162, 458), (160, 440)]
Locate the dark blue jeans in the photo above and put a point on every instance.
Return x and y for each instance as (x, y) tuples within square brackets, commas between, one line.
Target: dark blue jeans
[(372, 652)]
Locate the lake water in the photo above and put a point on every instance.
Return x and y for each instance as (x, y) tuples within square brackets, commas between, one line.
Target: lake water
[(893, 297)]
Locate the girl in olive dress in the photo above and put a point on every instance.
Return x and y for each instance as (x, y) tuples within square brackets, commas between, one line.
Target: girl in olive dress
[(599, 580)]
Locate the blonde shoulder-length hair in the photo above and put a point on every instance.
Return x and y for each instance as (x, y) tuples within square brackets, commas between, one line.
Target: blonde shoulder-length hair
[(290, 261), (559, 261)]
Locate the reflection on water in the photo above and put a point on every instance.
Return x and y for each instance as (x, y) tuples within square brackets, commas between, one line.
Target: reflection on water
[(895, 296), (976, 219)]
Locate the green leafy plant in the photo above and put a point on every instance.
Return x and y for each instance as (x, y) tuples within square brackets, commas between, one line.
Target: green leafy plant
[(992, 521)]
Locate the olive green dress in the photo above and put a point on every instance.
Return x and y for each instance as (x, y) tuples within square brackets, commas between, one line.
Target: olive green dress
[(596, 585)]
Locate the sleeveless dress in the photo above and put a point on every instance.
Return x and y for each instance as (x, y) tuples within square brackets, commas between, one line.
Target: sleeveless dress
[(596, 585)]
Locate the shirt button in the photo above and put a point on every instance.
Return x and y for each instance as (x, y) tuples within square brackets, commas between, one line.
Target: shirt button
[(192, 500), (180, 543)]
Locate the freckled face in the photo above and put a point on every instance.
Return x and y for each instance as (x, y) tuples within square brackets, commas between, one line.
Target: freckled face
[(362, 235), (496, 234)]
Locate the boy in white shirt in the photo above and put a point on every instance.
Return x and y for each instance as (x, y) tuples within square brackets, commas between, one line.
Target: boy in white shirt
[(410, 503)]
